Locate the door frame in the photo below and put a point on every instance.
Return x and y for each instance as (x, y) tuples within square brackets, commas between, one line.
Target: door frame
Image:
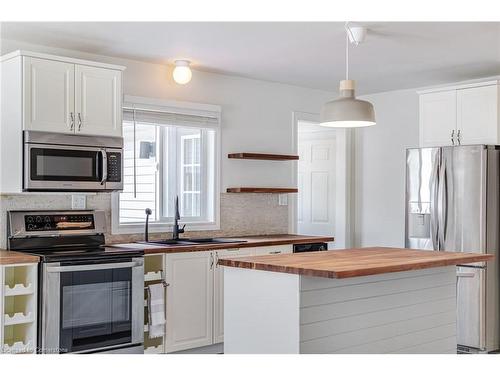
[(343, 197)]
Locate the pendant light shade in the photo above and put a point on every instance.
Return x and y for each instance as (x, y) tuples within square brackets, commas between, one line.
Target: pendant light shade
[(347, 111)]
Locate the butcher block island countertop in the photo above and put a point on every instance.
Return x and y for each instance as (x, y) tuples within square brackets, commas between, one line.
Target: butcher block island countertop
[(249, 241), (339, 264)]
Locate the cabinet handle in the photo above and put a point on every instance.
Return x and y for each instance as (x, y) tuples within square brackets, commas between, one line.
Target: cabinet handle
[(275, 252), (79, 121), (216, 260), (72, 121), (453, 137), (211, 260), (458, 137)]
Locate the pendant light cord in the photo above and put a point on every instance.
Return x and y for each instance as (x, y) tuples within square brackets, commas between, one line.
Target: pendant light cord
[(346, 55)]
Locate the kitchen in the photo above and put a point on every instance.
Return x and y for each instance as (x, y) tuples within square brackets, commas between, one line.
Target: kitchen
[(168, 175)]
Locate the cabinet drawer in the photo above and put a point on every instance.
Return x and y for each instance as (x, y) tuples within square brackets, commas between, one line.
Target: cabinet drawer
[(269, 250)]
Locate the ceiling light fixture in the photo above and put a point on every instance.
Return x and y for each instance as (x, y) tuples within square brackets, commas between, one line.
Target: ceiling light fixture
[(347, 111), (182, 72)]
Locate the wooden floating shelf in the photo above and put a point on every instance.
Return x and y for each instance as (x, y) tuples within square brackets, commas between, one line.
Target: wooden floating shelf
[(262, 190), (258, 156)]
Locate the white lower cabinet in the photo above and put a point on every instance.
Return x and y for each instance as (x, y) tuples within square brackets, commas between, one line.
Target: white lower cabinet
[(219, 289), (189, 300)]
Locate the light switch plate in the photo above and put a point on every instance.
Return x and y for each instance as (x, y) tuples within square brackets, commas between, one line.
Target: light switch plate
[(78, 202), (283, 199)]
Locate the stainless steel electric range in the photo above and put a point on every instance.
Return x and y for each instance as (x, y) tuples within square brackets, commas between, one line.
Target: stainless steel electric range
[(90, 297)]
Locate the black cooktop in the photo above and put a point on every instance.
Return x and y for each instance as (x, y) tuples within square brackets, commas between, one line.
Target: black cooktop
[(83, 254)]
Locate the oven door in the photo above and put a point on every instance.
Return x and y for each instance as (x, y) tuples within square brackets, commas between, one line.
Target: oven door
[(57, 167), (92, 307)]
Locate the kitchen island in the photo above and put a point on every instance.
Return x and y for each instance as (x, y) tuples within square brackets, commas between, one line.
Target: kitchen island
[(369, 300)]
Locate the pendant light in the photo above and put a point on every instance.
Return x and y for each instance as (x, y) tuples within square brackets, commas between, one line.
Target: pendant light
[(347, 111)]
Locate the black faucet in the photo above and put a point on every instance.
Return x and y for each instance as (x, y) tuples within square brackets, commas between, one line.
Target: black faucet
[(146, 228), (176, 230)]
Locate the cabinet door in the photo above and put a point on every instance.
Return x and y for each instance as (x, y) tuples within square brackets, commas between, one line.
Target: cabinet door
[(270, 250), (438, 118), (189, 300), (219, 289), (477, 115), (98, 101), (48, 91)]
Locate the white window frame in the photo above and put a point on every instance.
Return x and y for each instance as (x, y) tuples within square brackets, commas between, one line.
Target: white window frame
[(186, 108)]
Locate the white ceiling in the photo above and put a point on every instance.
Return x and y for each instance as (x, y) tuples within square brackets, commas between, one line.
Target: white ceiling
[(394, 55)]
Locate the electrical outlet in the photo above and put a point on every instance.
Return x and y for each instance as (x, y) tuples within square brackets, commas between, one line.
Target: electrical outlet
[(283, 199), (78, 202)]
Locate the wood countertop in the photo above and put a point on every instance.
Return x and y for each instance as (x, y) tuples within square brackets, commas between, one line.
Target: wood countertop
[(339, 264), (13, 257), (250, 241)]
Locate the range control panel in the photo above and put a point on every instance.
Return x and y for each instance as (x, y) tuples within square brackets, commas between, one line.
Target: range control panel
[(58, 222), (114, 166)]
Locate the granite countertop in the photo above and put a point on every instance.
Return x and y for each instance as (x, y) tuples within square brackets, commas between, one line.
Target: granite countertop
[(251, 241), (346, 263), (14, 257)]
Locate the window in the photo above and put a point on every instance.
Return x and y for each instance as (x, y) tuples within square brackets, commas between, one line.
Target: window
[(168, 155)]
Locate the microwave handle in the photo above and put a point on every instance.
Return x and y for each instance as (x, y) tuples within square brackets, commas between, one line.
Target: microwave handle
[(104, 167)]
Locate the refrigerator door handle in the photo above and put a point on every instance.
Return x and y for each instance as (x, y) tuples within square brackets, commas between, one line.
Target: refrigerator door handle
[(442, 205), (434, 186)]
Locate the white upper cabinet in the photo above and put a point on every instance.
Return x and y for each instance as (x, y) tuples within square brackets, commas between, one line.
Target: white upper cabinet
[(63, 95), (477, 115), (438, 118), (460, 115), (98, 101), (49, 95)]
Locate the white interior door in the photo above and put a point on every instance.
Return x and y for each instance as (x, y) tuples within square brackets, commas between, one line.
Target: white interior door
[(48, 95), (98, 101), (189, 300), (316, 180)]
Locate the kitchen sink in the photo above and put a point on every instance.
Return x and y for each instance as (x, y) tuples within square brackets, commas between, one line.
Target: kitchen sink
[(193, 241)]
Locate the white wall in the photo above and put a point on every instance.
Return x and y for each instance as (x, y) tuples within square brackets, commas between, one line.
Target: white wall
[(379, 175), (256, 115)]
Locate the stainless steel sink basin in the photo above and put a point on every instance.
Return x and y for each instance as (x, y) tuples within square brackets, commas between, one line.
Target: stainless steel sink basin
[(167, 242), (193, 241)]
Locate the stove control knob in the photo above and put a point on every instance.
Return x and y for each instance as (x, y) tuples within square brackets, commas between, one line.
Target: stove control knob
[(38, 219), (47, 226), (31, 227), (30, 219), (47, 219)]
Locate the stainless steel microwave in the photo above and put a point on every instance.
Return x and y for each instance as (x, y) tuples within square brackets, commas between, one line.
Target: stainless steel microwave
[(65, 162)]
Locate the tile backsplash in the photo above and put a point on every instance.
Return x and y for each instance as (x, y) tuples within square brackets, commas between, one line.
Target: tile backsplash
[(241, 214)]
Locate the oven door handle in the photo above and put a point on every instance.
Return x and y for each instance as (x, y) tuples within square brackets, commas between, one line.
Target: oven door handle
[(93, 267)]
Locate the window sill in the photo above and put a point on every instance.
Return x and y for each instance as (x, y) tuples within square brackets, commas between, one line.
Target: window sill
[(162, 227)]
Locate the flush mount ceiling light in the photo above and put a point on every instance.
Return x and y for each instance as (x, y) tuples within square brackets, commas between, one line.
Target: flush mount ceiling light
[(182, 72), (347, 111)]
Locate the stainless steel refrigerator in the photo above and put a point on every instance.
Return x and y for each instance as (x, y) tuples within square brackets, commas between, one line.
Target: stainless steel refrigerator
[(453, 204)]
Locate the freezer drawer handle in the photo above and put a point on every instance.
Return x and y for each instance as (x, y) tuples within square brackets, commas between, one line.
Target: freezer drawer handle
[(465, 274)]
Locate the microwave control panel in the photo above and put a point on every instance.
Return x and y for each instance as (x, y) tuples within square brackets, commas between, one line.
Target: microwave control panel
[(114, 166)]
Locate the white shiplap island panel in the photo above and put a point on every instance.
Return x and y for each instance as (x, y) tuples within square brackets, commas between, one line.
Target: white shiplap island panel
[(397, 312), (402, 312)]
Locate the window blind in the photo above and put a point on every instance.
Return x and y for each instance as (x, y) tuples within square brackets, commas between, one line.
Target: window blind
[(167, 118)]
